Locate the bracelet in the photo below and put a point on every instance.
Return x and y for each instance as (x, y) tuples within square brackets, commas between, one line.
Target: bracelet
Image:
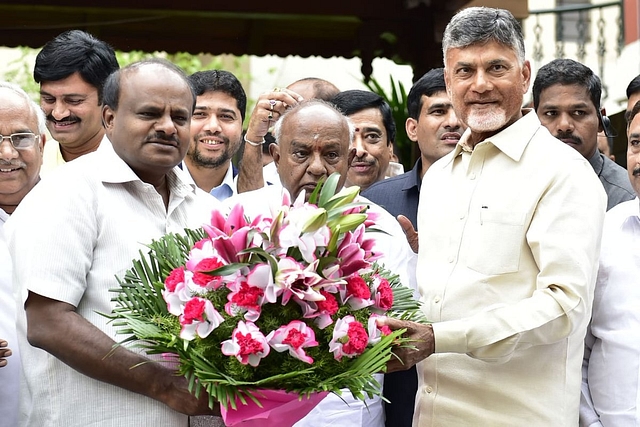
[(255, 144)]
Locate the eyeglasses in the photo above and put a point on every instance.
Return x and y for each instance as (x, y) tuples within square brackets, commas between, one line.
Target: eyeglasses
[(21, 140)]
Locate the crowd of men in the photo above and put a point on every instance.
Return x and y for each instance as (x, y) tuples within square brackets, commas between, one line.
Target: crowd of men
[(516, 232)]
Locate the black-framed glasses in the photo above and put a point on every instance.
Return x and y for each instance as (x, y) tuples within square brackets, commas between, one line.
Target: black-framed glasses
[(21, 140)]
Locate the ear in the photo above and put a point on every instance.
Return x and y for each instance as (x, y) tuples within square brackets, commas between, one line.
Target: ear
[(526, 76), (411, 126), (108, 116), (43, 140), (274, 150)]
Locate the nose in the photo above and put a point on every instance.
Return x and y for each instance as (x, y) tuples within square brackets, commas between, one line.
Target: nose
[(451, 120), (564, 123), (7, 150), (358, 144), (166, 125), (317, 166), (60, 110), (482, 82), (212, 124)]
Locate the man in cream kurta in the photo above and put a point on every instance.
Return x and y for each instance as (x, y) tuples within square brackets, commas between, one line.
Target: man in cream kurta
[(508, 247)]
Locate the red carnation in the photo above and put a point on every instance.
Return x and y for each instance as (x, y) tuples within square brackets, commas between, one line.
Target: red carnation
[(357, 287), (329, 305), (358, 339), (384, 299), (247, 296)]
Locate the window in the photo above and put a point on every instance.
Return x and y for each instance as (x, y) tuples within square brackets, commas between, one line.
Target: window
[(573, 26)]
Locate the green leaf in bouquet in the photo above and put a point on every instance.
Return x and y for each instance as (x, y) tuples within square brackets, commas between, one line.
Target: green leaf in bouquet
[(347, 222), (346, 196), (325, 190)]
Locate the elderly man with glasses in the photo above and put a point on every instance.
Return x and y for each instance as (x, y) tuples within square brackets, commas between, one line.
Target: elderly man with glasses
[(22, 128)]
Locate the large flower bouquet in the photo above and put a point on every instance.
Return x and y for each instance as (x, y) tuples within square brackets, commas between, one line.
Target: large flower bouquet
[(282, 302)]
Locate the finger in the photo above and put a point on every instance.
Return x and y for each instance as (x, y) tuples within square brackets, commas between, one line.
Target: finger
[(3, 343), (409, 231)]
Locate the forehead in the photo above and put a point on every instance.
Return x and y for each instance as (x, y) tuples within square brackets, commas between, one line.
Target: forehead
[(634, 126), (315, 124), (71, 85), (438, 97), (15, 113), (155, 84), (216, 100), (479, 54), (566, 95), (369, 117)]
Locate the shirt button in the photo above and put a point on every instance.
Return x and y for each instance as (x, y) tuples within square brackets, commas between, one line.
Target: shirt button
[(429, 389), (436, 300), (472, 176), (450, 259)]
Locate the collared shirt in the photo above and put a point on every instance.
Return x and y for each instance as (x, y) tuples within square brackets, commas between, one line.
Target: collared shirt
[(51, 157), (10, 373), (611, 369), (509, 242), (98, 215), (342, 410), (4, 216), (227, 188), (614, 178)]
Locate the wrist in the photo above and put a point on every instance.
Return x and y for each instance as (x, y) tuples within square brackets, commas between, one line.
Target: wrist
[(253, 142)]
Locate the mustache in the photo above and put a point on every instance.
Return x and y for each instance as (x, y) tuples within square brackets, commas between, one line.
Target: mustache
[(12, 164), (160, 136), (636, 171), (69, 118), (572, 137)]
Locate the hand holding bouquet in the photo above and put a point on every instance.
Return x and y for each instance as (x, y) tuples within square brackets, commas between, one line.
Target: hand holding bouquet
[(286, 301)]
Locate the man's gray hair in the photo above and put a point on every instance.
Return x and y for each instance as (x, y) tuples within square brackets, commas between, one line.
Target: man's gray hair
[(35, 108), (277, 130), (481, 25)]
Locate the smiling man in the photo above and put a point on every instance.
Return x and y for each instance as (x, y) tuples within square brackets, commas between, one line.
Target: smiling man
[(71, 70), (566, 97), (509, 234), (101, 211), (23, 136), (375, 132), (216, 131)]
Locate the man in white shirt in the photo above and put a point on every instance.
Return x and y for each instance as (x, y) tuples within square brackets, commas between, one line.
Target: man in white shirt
[(509, 230), (100, 211), (216, 131), (611, 367), (313, 142)]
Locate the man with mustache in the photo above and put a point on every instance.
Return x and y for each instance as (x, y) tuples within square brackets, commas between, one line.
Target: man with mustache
[(22, 130), (101, 210), (433, 125), (566, 97), (216, 131), (375, 132), (71, 70), (610, 382)]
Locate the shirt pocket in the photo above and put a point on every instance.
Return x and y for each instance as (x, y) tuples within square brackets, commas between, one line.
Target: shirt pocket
[(496, 242)]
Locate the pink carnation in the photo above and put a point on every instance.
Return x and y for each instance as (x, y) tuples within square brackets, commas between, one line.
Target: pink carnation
[(293, 337), (247, 344), (174, 279)]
